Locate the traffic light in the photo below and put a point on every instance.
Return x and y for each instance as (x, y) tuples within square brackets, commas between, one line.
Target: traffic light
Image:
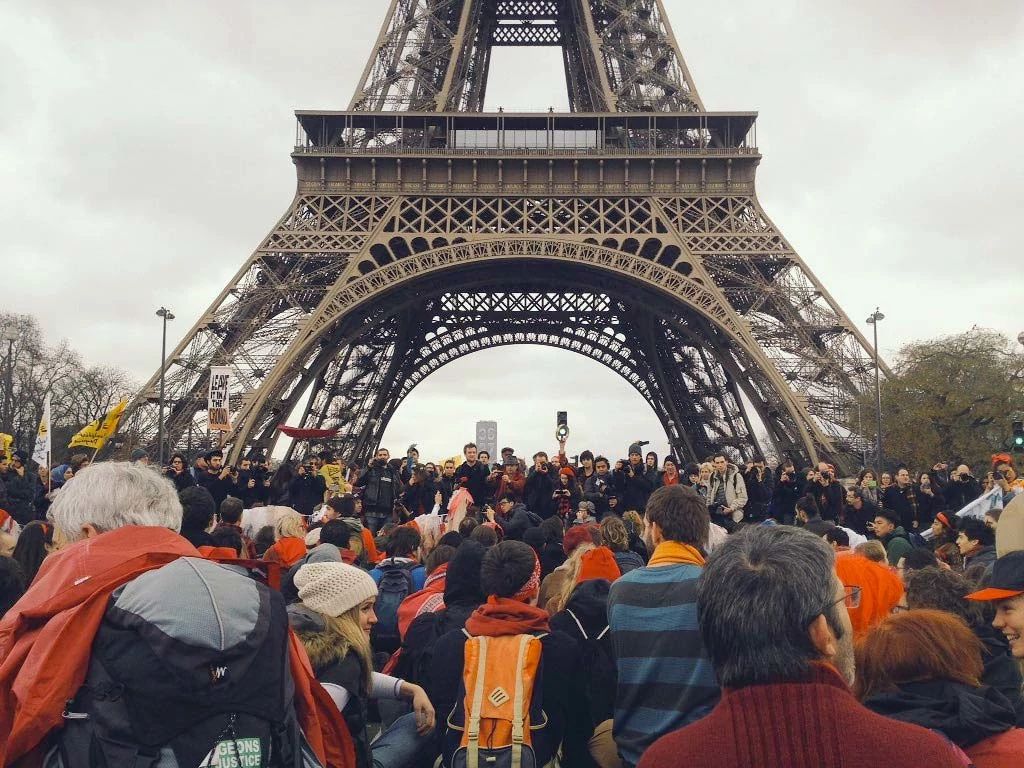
[(1017, 442)]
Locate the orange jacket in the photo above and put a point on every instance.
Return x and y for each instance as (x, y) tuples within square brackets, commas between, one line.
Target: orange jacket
[(46, 640), (287, 551)]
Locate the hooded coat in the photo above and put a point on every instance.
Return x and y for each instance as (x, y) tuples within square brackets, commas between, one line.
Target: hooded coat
[(587, 613), (337, 664), (972, 718), (462, 596)]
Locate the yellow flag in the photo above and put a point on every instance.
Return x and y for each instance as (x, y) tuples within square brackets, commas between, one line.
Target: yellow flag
[(6, 441), (96, 434)]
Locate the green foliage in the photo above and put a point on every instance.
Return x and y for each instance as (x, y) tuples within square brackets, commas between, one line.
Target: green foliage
[(953, 396)]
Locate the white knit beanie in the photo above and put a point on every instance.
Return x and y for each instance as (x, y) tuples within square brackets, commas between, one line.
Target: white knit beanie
[(333, 588)]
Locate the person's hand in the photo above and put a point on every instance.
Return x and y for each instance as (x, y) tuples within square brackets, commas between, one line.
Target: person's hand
[(423, 711), (489, 511), (266, 483), (915, 524), (20, 470), (251, 483)]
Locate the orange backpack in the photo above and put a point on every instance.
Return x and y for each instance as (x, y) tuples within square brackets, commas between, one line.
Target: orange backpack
[(501, 703)]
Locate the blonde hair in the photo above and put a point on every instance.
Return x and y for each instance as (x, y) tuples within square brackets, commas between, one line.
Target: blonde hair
[(572, 571), (289, 524), (872, 550), (614, 535), (352, 638)]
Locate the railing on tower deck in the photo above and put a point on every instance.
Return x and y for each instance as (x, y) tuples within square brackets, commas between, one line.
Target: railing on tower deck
[(526, 134)]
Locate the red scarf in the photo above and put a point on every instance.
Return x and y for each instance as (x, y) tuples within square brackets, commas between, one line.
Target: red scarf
[(502, 616)]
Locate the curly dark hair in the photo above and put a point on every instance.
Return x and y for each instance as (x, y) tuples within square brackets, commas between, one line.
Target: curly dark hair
[(942, 590)]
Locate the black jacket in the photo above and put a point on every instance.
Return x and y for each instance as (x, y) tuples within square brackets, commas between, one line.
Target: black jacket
[(462, 596), (21, 493), (786, 490), (551, 556), (1002, 671), (476, 481), (306, 491), (830, 499), (537, 494), (635, 491), (959, 493), (220, 488), (182, 481), (588, 606), (381, 488), (858, 519), (962, 713)]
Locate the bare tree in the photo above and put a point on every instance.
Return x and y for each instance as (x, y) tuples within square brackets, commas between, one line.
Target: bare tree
[(79, 394)]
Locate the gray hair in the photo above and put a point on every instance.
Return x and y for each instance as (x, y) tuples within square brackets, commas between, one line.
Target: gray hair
[(111, 495), (588, 506), (758, 594)]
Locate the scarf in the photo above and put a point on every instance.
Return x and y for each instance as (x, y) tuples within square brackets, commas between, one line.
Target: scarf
[(676, 553), (503, 616), (532, 586)]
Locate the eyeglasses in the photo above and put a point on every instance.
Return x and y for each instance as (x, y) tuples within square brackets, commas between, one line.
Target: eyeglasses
[(851, 597)]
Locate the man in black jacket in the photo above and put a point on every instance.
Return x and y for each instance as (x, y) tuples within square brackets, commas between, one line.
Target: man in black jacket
[(636, 488), (859, 511), (216, 478), (475, 473), (759, 489), (381, 486), (788, 487), (828, 492), (540, 485), (307, 488), (962, 489), (21, 488)]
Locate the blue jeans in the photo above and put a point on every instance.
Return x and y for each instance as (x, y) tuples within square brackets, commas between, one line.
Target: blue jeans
[(400, 744), (376, 521)]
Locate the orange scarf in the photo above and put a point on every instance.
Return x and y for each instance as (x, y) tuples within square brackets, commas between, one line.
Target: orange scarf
[(676, 553)]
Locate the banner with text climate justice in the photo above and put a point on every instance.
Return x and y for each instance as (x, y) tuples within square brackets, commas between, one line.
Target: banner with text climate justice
[(218, 409)]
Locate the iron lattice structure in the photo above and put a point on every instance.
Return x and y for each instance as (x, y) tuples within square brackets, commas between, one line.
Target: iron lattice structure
[(627, 231)]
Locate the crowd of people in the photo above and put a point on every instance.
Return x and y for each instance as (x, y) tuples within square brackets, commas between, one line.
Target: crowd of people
[(599, 613)]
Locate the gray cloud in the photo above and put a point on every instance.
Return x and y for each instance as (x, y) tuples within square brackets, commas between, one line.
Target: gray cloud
[(143, 154)]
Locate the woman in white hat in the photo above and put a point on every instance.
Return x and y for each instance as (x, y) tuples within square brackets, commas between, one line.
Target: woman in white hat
[(333, 621)]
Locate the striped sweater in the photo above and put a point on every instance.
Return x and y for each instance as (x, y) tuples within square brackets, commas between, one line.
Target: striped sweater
[(665, 678)]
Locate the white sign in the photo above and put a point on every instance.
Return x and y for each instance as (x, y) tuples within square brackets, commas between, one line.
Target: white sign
[(219, 404), (487, 438)]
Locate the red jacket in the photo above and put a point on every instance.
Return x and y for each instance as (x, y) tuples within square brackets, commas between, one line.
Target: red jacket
[(430, 599), (46, 639), (817, 724)]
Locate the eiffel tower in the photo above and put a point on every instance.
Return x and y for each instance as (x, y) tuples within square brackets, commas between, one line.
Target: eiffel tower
[(627, 230)]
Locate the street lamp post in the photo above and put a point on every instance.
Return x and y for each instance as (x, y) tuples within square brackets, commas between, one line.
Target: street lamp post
[(10, 335), (166, 315), (875, 318)]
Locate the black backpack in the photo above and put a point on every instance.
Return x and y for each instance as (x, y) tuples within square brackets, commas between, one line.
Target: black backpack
[(395, 585), (189, 668), (597, 666)]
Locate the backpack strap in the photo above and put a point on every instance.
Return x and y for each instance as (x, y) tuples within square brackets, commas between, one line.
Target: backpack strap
[(473, 726), (518, 716), (580, 626), (603, 632)]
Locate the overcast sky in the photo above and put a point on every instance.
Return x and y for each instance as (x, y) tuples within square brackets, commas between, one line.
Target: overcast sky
[(144, 154)]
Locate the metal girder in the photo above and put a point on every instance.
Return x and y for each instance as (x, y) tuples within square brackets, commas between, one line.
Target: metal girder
[(620, 55), (635, 239)]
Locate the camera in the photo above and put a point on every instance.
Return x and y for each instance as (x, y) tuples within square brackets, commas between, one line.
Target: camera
[(998, 475)]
